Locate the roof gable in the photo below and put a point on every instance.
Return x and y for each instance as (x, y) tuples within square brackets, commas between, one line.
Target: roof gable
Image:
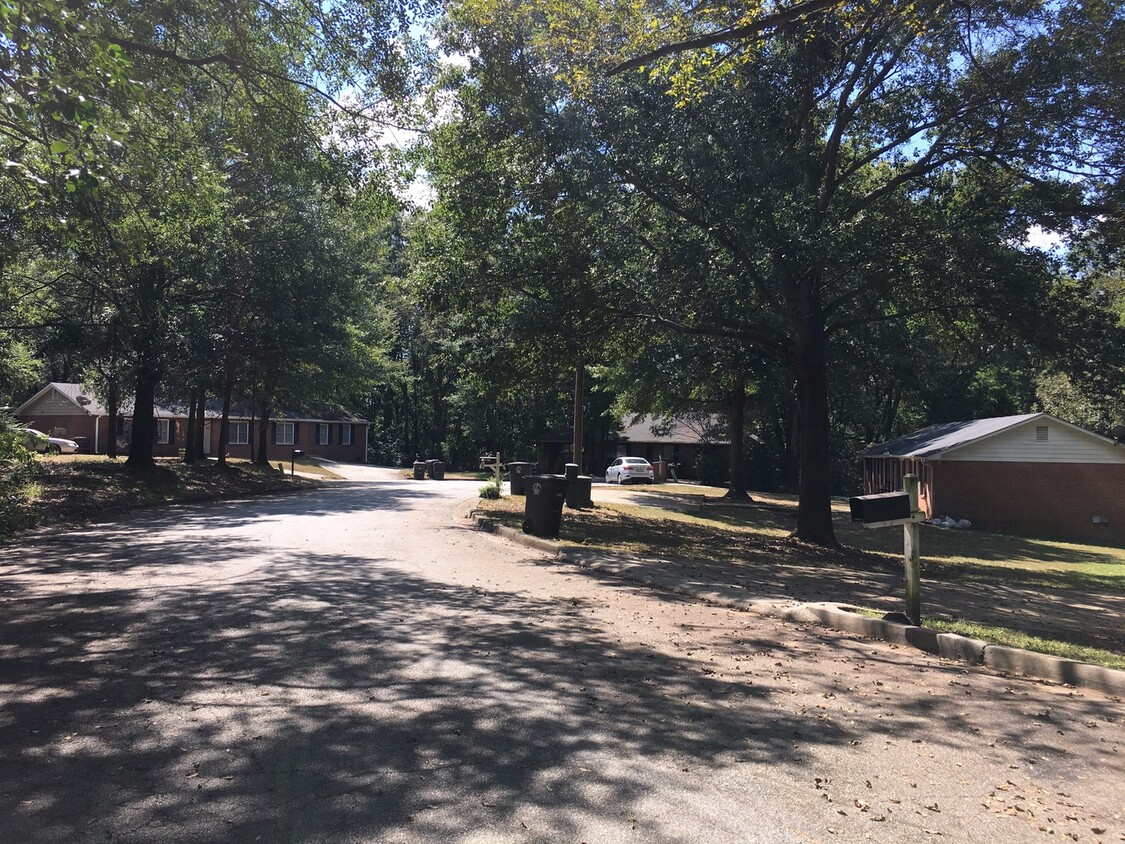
[(936, 439), (74, 397), (939, 440)]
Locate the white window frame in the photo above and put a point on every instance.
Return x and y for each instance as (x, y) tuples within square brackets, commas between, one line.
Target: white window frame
[(345, 435), (285, 433), (239, 433), (163, 431), (322, 433)]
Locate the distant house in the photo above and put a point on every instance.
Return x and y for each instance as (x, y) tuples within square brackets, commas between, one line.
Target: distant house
[(679, 441), (1032, 474), (72, 411)]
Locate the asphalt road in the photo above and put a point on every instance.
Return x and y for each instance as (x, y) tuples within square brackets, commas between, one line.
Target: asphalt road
[(357, 665)]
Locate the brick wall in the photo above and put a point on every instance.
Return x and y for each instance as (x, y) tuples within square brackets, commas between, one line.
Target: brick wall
[(1056, 500)]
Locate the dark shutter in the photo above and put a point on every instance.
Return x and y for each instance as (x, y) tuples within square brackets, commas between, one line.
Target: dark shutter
[(328, 432), (171, 431), (273, 428)]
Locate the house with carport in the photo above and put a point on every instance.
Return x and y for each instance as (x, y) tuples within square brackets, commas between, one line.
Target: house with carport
[(1032, 474)]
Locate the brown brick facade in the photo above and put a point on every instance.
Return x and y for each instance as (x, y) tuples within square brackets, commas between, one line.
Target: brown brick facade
[(1058, 500)]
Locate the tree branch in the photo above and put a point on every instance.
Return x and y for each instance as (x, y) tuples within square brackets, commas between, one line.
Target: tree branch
[(725, 36)]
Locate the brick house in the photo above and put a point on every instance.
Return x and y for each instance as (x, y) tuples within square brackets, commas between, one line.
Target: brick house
[(1032, 474), (72, 411)]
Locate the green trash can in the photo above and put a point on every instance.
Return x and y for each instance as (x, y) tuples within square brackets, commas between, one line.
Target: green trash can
[(542, 509)]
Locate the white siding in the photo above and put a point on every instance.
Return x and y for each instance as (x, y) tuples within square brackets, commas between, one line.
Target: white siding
[(53, 404), (1018, 445)]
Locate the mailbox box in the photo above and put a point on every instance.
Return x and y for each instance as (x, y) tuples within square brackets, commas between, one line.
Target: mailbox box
[(884, 507)]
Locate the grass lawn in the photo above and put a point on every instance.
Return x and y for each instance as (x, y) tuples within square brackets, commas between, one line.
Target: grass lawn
[(695, 523)]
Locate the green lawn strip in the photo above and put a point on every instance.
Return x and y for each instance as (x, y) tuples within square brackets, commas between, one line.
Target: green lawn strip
[(1016, 639)]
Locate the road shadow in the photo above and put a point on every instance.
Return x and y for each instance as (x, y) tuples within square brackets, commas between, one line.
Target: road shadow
[(324, 697)]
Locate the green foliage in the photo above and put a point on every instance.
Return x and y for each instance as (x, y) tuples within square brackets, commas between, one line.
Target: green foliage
[(17, 469), (712, 468), (490, 491)]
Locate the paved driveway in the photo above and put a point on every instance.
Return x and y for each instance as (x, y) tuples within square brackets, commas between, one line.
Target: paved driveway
[(354, 665)]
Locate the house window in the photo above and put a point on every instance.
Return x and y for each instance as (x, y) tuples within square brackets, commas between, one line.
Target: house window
[(238, 433), (1041, 433), (345, 435), (164, 431), (323, 436), (284, 432)]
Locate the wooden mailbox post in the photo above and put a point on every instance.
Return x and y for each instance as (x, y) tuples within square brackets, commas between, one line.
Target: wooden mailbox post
[(898, 508)]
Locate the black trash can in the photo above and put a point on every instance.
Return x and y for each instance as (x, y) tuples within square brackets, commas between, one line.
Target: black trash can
[(437, 470), (419, 470), (578, 492), (519, 473), (542, 509)]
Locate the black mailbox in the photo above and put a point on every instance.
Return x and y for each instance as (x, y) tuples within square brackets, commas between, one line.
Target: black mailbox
[(884, 507)]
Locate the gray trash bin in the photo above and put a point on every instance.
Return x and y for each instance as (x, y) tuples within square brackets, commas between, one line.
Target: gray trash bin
[(542, 509), (437, 470), (419, 470)]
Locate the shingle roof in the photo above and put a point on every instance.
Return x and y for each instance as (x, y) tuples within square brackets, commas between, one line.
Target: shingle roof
[(945, 436), (176, 409), (678, 431)]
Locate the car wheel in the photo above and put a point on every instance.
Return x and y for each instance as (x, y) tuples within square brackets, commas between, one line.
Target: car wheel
[(53, 449)]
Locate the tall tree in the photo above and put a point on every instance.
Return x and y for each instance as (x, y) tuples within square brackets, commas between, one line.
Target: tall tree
[(795, 140)]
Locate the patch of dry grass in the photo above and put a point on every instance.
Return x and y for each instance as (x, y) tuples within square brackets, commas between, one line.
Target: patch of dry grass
[(74, 489), (695, 522)]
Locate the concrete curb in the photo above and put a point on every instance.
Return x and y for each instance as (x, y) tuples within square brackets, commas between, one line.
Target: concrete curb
[(970, 651)]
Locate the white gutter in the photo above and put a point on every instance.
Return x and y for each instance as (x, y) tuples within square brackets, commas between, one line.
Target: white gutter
[(97, 430), (366, 434)]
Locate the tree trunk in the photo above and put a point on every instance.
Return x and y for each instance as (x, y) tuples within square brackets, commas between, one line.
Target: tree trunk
[(814, 511), (579, 422), (200, 423), (262, 458), (144, 422), (111, 435), (189, 438), (737, 420), (224, 422)]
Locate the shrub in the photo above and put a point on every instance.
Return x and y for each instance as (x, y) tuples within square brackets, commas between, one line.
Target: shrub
[(490, 490)]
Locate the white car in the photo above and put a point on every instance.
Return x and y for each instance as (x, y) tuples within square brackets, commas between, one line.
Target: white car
[(38, 441), (629, 469)]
